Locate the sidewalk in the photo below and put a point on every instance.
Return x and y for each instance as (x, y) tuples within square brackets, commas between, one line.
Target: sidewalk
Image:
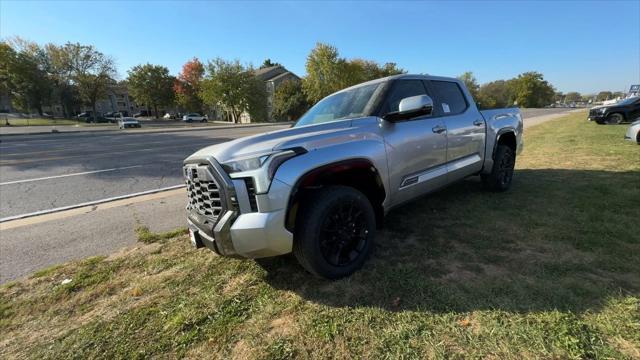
[(536, 120)]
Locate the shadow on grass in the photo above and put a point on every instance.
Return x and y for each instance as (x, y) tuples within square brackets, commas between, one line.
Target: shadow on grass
[(559, 239)]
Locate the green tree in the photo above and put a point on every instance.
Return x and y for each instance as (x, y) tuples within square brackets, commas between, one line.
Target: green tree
[(235, 88), (361, 70), (604, 95), (61, 73), (573, 96), (327, 72), (530, 90), (268, 63), (151, 84), (289, 102), (7, 62), (471, 83), (496, 94), (188, 85), (26, 80), (91, 71), (617, 94)]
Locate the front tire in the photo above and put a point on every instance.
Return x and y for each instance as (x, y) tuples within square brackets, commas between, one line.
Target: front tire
[(501, 174), (615, 119), (335, 232)]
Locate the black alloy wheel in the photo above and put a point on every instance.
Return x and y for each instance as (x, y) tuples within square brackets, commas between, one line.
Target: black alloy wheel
[(344, 234)]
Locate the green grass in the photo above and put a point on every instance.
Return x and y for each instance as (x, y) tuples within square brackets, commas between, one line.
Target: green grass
[(146, 236), (548, 269)]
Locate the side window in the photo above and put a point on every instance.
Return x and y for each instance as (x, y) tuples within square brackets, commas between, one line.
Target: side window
[(402, 89), (449, 97)]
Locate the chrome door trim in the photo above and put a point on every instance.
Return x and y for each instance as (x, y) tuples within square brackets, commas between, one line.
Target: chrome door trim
[(463, 162), (440, 170), (423, 176)]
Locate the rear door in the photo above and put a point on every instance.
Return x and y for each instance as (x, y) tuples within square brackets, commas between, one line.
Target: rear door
[(416, 148), (465, 128)]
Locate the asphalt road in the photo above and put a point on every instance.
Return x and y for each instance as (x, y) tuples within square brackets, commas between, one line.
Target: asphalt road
[(146, 125), (40, 172)]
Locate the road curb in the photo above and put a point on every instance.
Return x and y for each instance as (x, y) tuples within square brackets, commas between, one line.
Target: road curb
[(88, 203), (150, 131)]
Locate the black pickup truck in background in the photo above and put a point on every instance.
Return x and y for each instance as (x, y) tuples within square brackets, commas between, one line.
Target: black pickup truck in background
[(626, 110)]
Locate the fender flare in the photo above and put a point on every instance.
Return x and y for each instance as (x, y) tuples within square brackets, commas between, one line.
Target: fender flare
[(308, 178)]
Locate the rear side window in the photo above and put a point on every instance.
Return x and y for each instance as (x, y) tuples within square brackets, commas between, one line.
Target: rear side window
[(402, 89), (449, 96)]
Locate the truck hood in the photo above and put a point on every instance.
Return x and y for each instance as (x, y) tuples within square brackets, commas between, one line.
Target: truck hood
[(309, 137)]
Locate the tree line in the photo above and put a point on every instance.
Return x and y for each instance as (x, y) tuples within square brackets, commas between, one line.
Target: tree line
[(74, 75)]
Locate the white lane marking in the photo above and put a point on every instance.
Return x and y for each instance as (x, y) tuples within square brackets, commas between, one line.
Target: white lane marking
[(90, 203), (67, 175)]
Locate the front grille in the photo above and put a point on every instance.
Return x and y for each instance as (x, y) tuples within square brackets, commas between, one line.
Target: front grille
[(203, 194)]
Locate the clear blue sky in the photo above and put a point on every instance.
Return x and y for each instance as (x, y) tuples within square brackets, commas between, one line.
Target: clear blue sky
[(585, 46)]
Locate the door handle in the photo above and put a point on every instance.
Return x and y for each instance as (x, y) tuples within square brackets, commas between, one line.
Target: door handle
[(478, 123), (438, 129)]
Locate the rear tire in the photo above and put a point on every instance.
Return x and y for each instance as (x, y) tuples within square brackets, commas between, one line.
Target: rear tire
[(615, 119), (334, 232), (501, 174)]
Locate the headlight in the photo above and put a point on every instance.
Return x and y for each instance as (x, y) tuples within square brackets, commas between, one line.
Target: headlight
[(245, 164), (271, 161)]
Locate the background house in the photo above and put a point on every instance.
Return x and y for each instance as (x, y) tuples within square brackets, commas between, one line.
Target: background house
[(273, 77)]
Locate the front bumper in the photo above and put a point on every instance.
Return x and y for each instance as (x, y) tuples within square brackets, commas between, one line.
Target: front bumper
[(239, 231), (596, 117), (631, 134)]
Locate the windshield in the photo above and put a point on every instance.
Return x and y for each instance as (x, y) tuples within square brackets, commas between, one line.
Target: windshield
[(343, 105), (628, 101)]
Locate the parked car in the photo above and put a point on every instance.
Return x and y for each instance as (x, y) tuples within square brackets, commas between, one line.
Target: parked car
[(622, 111), (128, 122), (195, 117), (633, 132), (321, 188), (171, 116), (143, 113), (84, 115), (88, 118), (113, 117)]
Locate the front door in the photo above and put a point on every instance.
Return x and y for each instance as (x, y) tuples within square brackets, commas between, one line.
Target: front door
[(416, 148)]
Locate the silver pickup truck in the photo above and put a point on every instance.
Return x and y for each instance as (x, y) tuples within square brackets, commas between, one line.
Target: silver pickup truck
[(321, 188)]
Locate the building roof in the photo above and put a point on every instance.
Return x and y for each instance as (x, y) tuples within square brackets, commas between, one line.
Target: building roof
[(262, 71), (272, 72), (283, 75)]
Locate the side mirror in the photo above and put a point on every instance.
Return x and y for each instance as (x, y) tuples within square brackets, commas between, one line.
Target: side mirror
[(411, 107)]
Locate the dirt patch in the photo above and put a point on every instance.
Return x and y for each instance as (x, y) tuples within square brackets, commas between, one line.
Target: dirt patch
[(283, 326), (242, 350), (235, 284), (137, 250)]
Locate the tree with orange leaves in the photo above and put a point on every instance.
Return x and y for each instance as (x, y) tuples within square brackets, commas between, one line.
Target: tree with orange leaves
[(187, 86)]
